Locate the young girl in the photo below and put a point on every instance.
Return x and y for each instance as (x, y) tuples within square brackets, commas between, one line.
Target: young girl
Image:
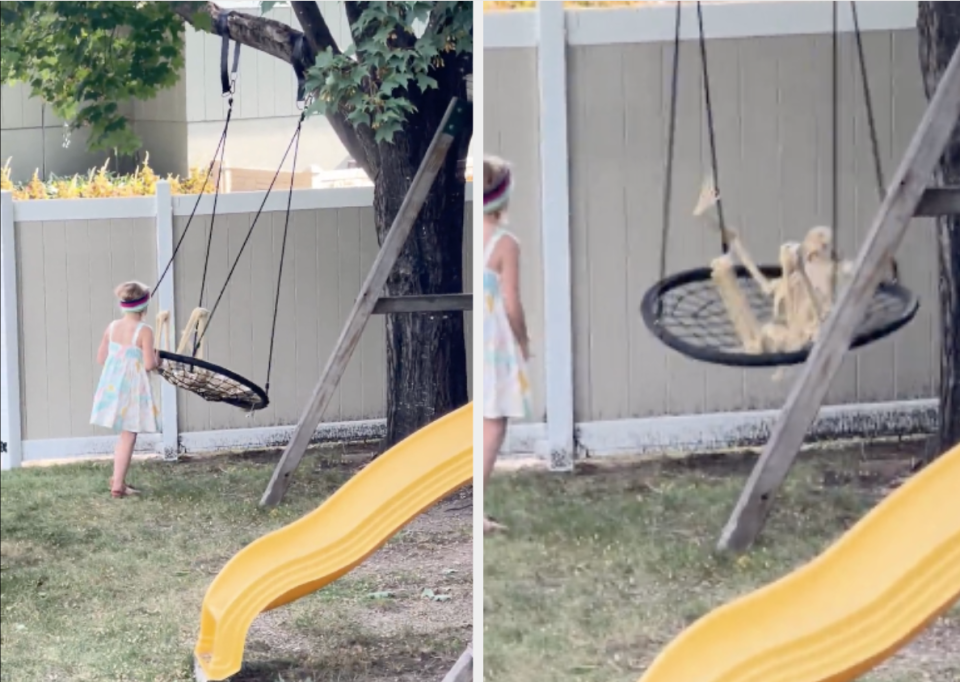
[(124, 401), (506, 389)]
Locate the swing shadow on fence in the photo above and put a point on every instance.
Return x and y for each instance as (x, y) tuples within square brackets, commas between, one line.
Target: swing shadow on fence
[(61, 259)]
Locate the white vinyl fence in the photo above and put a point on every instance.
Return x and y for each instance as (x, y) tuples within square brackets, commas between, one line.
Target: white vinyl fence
[(61, 260), (579, 100)]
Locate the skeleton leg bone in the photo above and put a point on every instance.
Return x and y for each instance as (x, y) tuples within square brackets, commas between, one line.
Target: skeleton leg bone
[(738, 308)]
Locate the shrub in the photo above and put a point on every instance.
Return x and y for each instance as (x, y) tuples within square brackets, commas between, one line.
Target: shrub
[(101, 183)]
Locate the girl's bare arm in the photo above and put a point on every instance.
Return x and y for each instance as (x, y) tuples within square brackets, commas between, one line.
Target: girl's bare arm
[(510, 283), (104, 347), (150, 357)]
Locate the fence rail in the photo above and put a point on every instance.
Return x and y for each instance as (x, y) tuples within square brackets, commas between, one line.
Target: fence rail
[(61, 259)]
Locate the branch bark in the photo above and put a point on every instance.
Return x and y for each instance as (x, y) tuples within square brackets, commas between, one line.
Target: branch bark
[(277, 40), (315, 27), (353, 10)]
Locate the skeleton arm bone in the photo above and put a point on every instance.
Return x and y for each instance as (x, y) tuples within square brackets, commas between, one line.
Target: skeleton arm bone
[(706, 202), (196, 324)]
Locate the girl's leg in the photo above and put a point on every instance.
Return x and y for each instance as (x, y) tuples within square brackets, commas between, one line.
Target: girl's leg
[(494, 432), (121, 461)]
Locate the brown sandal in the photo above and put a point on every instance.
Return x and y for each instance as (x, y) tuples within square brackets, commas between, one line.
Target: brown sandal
[(491, 526)]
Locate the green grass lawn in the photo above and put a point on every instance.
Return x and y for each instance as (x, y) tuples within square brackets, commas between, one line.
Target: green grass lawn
[(599, 571), (93, 588)]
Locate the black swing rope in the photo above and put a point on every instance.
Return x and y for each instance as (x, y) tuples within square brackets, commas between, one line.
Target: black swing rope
[(295, 144), (685, 311), (710, 132), (219, 384), (871, 122), (834, 147), (668, 163)]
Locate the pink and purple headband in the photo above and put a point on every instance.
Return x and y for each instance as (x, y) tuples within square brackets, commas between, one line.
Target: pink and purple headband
[(136, 306), (496, 198)]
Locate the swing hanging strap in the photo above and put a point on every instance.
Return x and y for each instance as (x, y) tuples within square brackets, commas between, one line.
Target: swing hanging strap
[(228, 81), (302, 57)]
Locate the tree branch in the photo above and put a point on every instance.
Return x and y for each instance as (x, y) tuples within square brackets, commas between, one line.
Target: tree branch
[(354, 10), (277, 39), (319, 39), (315, 27)]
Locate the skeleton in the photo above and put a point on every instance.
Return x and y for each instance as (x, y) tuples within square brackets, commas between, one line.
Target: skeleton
[(196, 327), (197, 324), (802, 296)]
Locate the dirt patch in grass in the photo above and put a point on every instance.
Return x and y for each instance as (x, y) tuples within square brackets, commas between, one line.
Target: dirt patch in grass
[(601, 570), (98, 589)]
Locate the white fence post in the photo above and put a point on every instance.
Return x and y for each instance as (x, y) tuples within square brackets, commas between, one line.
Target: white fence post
[(167, 300), (11, 446), (555, 227)]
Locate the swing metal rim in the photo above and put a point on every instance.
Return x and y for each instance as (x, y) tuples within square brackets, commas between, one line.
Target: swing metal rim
[(649, 309), (222, 371)]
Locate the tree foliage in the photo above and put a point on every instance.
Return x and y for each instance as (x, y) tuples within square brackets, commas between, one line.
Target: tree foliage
[(371, 81), (86, 59)]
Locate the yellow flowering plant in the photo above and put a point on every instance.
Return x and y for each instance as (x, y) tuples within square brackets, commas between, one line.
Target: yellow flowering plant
[(103, 183)]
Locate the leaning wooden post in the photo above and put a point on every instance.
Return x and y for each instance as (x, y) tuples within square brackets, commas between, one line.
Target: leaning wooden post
[(889, 226), (366, 301), (462, 670)]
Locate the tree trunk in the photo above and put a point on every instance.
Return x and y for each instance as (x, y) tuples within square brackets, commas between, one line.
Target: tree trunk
[(426, 352), (939, 26)]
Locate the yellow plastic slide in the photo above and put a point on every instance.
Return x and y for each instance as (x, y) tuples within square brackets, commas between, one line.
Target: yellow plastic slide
[(324, 545), (849, 609)]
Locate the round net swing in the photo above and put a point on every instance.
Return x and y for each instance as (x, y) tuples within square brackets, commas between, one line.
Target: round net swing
[(737, 313), (687, 313), (186, 368), (194, 374)]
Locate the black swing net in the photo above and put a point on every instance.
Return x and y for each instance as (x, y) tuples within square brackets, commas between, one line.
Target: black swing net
[(186, 368), (739, 314)]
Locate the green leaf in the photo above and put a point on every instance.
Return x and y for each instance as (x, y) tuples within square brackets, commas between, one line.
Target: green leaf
[(425, 82), (393, 82), (386, 130), (202, 21), (323, 60), (317, 108), (267, 6)]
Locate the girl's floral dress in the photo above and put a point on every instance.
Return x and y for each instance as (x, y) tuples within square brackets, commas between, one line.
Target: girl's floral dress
[(506, 386), (124, 400)]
